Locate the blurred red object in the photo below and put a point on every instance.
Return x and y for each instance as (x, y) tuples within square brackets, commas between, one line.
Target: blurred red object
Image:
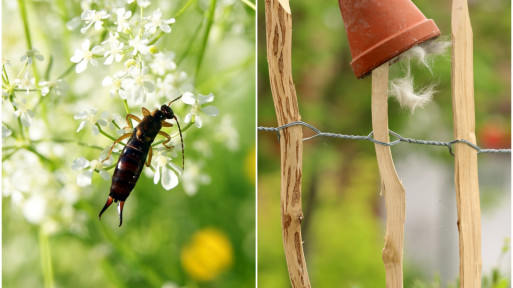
[(494, 135)]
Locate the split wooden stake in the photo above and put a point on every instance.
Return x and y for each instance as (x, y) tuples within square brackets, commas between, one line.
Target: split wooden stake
[(465, 175), (391, 186), (279, 38)]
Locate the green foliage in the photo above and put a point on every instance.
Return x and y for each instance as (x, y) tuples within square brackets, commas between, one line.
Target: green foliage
[(69, 247), (341, 202)]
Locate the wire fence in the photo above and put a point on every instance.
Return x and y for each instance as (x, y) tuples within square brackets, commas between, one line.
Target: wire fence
[(319, 133)]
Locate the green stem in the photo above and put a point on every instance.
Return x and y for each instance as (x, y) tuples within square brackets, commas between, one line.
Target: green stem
[(189, 45), (125, 102), (22, 133), (183, 129), (249, 4), (42, 157), (46, 259), (105, 133), (70, 68), (5, 77), (184, 8), (24, 18), (210, 21), (9, 155)]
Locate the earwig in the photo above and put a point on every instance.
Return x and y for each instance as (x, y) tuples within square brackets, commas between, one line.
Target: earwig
[(134, 155)]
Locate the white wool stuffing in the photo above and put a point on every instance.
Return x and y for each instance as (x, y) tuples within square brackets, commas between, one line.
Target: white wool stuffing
[(402, 88)]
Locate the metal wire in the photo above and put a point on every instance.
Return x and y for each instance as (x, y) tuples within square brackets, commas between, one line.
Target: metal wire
[(319, 133)]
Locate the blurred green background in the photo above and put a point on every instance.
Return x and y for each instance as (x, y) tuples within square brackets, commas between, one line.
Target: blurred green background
[(67, 246), (343, 229)]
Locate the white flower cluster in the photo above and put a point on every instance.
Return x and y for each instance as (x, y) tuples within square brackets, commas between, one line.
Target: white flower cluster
[(144, 75), (22, 103), (131, 39)]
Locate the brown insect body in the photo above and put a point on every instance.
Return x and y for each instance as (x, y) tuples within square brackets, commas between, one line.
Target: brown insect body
[(134, 154)]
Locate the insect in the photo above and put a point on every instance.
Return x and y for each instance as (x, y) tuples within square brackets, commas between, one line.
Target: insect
[(133, 157)]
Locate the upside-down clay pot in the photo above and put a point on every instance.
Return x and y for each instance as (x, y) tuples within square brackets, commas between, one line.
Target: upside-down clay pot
[(379, 30)]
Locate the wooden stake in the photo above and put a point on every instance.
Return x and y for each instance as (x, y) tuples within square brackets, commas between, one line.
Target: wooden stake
[(279, 37), (391, 185), (465, 175)]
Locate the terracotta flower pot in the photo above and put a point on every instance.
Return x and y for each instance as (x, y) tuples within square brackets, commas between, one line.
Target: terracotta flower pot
[(379, 30)]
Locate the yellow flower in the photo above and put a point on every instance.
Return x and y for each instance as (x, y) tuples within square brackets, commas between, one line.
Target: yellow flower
[(207, 255)]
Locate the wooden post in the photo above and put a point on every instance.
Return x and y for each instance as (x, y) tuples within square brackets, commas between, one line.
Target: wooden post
[(279, 37), (465, 175), (391, 186)]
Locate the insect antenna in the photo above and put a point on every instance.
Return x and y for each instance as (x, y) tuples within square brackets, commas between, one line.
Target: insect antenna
[(181, 138), (174, 100)]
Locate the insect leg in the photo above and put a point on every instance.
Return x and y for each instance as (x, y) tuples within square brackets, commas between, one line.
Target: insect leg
[(145, 112), (116, 142), (131, 116), (168, 138), (150, 155), (166, 124)]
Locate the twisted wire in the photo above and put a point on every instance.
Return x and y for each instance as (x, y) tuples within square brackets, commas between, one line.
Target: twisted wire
[(319, 133)]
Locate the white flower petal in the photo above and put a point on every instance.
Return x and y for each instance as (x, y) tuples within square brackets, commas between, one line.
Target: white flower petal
[(81, 66), (156, 176), (169, 178), (85, 45), (188, 98), (210, 111), (105, 175), (78, 56), (81, 126), (188, 118), (165, 28), (198, 122), (97, 50), (84, 178), (79, 163), (107, 81), (95, 129), (202, 99)]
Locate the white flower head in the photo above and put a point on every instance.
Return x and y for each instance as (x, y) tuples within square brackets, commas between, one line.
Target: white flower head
[(196, 102), (166, 169), (192, 177), (23, 112), (139, 45), (93, 17), (59, 87), (155, 22), (142, 3), (110, 118), (115, 50), (26, 82), (172, 84), (30, 55), (34, 208), (88, 167), (89, 117), (163, 62), (229, 134), (115, 82), (122, 19), (83, 56), (138, 84)]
